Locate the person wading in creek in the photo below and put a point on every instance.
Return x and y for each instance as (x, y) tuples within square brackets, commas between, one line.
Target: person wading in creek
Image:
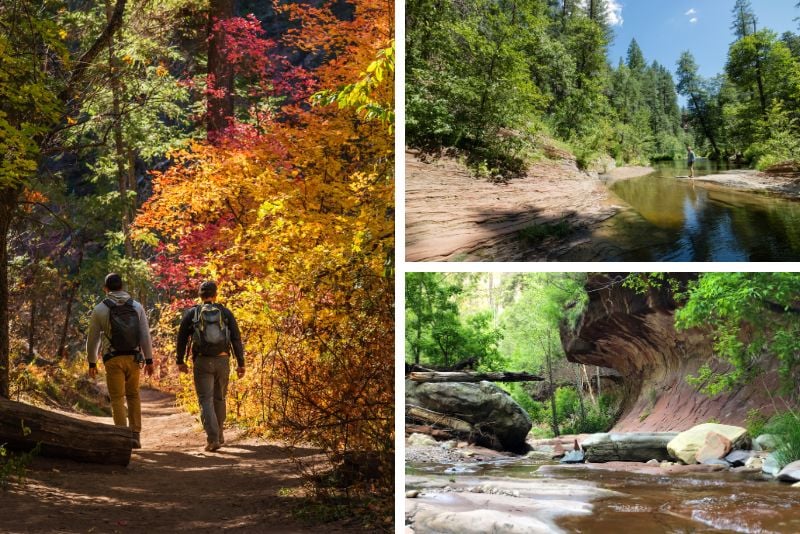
[(690, 158), (119, 334), (213, 332)]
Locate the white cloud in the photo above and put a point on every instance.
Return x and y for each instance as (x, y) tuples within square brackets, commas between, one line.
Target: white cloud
[(613, 11), (692, 11), (693, 20)]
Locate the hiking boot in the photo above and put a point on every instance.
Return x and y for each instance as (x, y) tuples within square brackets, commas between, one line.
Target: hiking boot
[(137, 444), (211, 447)]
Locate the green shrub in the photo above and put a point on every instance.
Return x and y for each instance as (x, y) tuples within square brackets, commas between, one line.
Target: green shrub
[(755, 423), (786, 427), (14, 465)]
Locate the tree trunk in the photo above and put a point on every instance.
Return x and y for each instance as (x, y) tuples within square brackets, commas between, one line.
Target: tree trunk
[(220, 73), (119, 142), (23, 426), (466, 376), (8, 203), (436, 418), (579, 385), (552, 388)]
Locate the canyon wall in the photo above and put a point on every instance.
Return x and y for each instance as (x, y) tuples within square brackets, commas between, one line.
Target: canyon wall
[(634, 335)]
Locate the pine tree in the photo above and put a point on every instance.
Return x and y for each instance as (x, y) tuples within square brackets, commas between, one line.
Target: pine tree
[(635, 60), (744, 19)]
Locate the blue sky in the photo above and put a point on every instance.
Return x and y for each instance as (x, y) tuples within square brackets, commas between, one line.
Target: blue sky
[(665, 28)]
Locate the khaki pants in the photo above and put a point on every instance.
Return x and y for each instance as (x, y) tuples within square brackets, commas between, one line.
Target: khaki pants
[(122, 376), (211, 383)]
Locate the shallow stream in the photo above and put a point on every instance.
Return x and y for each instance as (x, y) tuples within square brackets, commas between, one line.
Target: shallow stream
[(677, 503), (673, 219)]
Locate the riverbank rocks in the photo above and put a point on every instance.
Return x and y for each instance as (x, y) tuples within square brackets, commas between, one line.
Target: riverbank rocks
[(765, 442), (715, 447), (421, 440), (790, 473), (687, 444), (771, 466), (627, 447), (488, 408), (739, 458)]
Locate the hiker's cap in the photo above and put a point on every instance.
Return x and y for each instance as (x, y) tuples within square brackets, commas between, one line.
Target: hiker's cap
[(113, 282), (208, 289)]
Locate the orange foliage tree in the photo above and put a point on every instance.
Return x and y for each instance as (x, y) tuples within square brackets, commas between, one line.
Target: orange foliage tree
[(295, 221)]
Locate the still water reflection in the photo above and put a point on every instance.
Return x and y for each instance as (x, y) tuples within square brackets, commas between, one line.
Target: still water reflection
[(683, 220)]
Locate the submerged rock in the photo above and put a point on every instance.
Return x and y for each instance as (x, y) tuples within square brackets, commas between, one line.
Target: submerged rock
[(686, 445), (715, 461), (627, 447), (790, 473), (715, 447)]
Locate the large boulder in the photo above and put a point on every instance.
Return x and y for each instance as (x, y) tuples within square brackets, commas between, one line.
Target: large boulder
[(716, 447), (627, 447), (686, 445), (488, 408)]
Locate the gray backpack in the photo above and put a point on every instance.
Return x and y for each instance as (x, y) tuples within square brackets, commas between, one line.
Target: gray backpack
[(211, 335)]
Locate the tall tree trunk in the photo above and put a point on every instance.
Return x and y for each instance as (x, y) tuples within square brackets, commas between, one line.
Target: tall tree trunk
[(8, 203), (220, 73), (701, 113), (552, 388), (579, 386), (32, 321), (119, 143)]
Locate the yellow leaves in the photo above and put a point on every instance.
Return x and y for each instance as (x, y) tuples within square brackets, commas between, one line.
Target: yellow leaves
[(72, 121), (62, 34), (161, 71), (127, 58)]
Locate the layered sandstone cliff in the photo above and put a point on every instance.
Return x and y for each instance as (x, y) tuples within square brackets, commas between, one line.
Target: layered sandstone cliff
[(634, 335)]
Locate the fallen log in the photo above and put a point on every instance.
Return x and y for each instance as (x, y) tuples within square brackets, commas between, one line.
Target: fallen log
[(465, 376), (23, 426), (436, 418), (430, 431)]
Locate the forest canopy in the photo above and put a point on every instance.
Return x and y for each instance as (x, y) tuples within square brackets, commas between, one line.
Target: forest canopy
[(507, 82)]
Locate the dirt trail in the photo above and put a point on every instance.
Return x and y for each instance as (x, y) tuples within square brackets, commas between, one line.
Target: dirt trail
[(170, 485), (453, 216)]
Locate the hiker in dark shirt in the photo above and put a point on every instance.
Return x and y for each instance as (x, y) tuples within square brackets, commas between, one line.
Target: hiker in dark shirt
[(690, 158), (213, 332)]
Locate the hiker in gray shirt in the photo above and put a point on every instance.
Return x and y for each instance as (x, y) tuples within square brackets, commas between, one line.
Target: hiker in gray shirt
[(120, 335)]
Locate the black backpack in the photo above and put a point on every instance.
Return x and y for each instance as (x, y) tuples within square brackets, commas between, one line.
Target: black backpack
[(211, 335), (124, 327)]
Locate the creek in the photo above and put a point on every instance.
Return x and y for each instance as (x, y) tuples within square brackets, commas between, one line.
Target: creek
[(672, 219), (688, 502)]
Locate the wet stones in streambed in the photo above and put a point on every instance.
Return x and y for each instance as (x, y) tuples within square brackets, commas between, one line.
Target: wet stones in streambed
[(499, 505), (790, 473), (627, 447), (739, 458)]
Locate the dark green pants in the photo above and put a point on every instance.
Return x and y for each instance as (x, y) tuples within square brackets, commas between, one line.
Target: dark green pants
[(211, 375)]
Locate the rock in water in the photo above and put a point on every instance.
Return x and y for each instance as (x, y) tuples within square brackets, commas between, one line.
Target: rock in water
[(790, 473), (715, 447), (715, 461), (573, 457), (686, 444), (488, 408), (754, 462), (771, 466), (627, 447), (738, 458)]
